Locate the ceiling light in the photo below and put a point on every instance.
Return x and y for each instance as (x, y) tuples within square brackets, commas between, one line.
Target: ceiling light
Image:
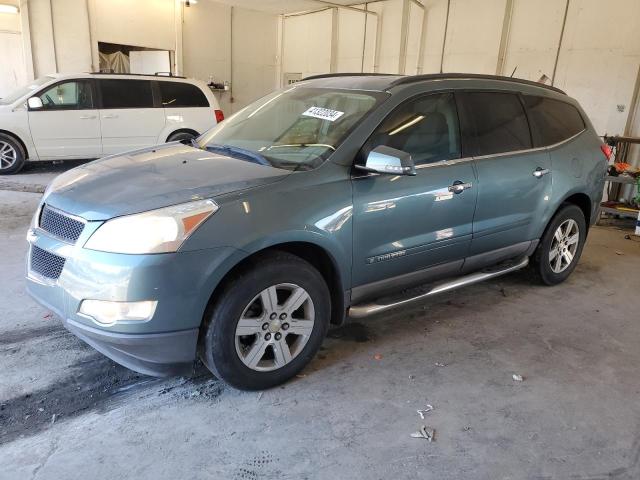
[(4, 8)]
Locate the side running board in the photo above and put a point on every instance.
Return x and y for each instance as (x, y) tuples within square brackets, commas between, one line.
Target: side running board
[(366, 309)]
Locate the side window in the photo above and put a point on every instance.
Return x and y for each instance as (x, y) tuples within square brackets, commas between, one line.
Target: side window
[(126, 93), (493, 123), (74, 95), (175, 94), (552, 121), (426, 127)]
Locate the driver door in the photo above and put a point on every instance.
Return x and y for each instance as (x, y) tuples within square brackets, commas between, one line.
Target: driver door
[(67, 125), (411, 229)]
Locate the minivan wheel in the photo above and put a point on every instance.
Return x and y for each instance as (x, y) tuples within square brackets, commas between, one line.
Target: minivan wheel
[(267, 324), (561, 245), (12, 155), (182, 137)]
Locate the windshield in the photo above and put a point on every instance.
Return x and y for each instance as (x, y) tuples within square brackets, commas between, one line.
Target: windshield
[(295, 129), (25, 90)]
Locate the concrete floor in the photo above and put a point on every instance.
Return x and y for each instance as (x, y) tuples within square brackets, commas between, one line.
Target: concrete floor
[(66, 412)]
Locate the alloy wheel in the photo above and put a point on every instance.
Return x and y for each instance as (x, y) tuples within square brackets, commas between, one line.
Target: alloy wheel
[(564, 246), (274, 327), (8, 155)]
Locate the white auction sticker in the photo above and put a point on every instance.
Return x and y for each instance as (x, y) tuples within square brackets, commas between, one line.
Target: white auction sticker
[(323, 113)]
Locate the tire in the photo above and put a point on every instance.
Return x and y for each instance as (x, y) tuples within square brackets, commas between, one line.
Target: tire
[(550, 269), (183, 137), (257, 359), (12, 155)]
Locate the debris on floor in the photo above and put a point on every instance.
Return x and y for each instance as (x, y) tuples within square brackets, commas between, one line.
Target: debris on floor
[(517, 378), (425, 410), (438, 364), (425, 432), (378, 356)]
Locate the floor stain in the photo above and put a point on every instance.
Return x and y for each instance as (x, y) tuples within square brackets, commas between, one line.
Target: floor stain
[(352, 332)]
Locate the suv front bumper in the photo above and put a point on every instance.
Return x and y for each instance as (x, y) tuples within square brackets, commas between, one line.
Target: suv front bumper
[(181, 283)]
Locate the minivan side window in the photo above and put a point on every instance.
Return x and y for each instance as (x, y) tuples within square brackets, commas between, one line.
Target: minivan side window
[(426, 127), (552, 121), (73, 95), (493, 123), (126, 93), (176, 94)]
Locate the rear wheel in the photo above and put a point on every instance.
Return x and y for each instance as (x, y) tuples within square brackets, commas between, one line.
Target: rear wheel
[(12, 155), (561, 245), (182, 137), (267, 323)]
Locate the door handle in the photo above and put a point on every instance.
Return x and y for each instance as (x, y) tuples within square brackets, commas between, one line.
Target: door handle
[(540, 172), (110, 116), (87, 117), (459, 187)]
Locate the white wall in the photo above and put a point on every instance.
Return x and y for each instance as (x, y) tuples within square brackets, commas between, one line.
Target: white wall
[(207, 44), (12, 67), (307, 43), (231, 44), (255, 56)]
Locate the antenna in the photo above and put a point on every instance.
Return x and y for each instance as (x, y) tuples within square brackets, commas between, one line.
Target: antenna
[(514, 71)]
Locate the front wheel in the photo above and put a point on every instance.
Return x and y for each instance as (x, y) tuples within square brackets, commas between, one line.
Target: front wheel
[(12, 155), (561, 246), (267, 323)]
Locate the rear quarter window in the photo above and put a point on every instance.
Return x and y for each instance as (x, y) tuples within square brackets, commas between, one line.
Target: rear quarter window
[(126, 93), (492, 122), (176, 94), (552, 121)]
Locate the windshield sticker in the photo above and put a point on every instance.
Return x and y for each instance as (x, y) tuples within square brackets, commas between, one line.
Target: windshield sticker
[(323, 113)]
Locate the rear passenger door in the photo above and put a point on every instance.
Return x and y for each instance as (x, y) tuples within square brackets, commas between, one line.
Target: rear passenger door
[(514, 180), (129, 115), (185, 106)]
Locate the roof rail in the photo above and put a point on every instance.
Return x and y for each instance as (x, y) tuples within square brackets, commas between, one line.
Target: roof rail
[(358, 74), (406, 79), (157, 74), (445, 76)]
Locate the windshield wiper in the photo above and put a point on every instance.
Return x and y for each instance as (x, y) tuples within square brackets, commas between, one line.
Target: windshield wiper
[(239, 153)]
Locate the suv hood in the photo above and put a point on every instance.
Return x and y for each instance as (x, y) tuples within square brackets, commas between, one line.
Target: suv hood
[(153, 178)]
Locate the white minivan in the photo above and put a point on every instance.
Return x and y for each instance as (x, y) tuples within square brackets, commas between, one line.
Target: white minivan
[(90, 115)]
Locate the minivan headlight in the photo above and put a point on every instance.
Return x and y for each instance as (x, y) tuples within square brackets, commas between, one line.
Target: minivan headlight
[(155, 231)]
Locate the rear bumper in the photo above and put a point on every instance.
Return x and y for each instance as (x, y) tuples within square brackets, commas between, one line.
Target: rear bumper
[(156, 354)]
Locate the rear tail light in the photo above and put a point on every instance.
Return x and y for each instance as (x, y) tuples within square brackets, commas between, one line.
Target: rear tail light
[(219, 115), (606, 149)]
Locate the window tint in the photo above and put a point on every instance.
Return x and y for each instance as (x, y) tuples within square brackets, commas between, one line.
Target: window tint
[(552, 121), (493, 123), (427, 128), (126, 93), (74, 95), (176, 94)]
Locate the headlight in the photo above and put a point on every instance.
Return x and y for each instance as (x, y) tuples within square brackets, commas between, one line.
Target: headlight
[(155, 231)]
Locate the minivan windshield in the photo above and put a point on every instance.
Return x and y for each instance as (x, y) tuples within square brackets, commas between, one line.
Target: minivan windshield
[(24, 90), (296, 128)]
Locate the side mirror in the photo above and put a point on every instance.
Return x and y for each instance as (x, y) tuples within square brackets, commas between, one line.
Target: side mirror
[(383, 159), (35, 103)]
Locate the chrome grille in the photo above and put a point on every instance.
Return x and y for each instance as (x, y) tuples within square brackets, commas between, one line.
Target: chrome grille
[(60, 225), (45, 263)]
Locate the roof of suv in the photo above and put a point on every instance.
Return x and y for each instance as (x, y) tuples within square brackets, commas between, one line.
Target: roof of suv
[(383, 81)]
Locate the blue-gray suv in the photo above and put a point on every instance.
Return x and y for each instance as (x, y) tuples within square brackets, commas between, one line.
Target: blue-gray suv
[(326, 199)]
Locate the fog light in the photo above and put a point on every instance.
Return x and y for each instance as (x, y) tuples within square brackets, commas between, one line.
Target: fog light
[(108, 313)]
